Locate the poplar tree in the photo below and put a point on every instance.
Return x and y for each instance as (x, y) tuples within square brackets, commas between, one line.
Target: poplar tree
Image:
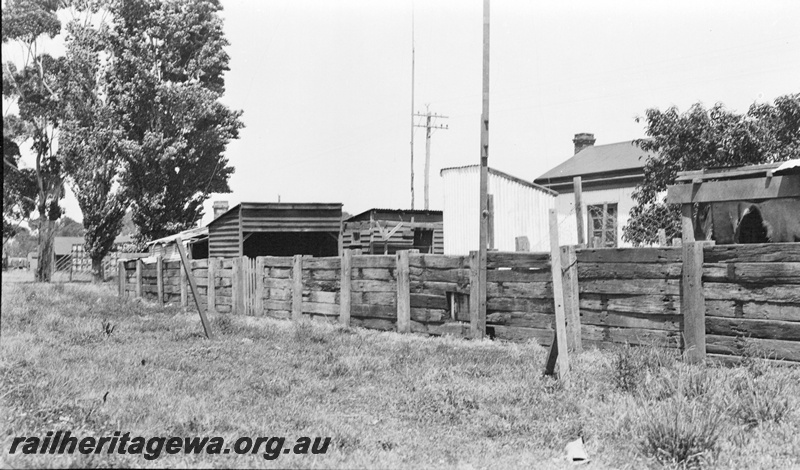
[(167, 82)]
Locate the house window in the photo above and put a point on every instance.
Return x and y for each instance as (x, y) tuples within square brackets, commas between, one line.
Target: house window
[(602, 225), (356, 237)]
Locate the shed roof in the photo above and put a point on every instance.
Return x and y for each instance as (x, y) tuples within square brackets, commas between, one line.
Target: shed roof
[(503, 175), (378, 212), (280, 206), (752, 182), (190, 235), (600, 159), (280, 217)]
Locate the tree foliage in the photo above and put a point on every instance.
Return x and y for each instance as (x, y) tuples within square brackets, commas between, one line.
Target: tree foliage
[(133, 109), (706, 138), (167, 81), (34, 86), (92, 141), (19, 184)]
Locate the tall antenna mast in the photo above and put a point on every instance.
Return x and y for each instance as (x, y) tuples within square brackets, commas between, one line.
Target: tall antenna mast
[(412, 105)]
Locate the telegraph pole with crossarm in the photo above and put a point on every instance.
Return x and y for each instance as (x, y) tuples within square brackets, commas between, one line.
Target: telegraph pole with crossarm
[(429, 124)]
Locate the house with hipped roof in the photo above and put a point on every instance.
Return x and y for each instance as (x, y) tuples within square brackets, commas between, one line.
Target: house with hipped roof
[(609, 174)]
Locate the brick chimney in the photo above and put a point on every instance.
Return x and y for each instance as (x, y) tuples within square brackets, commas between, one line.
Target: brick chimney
[(582, 141), (220, 207)]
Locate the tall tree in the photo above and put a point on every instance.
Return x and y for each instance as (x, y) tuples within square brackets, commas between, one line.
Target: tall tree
[(167, 82), (34, 86), (92, 141), (706, 138)]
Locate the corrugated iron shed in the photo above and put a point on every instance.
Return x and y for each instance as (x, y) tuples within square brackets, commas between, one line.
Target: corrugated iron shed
[(280, 229), (385, 231)]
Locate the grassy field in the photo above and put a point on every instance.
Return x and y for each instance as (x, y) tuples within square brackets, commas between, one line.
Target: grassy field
[(74, 357)]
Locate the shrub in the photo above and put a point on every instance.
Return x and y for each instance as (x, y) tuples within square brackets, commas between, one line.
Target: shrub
[(761, 399), (626, 368), (680, 432)]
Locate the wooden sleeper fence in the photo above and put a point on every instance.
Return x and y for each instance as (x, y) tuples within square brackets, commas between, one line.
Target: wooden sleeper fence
[(715, 300)]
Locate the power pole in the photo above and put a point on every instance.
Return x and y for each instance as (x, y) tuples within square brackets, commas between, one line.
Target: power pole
[(412, 105), (428, 126), (484, 181)]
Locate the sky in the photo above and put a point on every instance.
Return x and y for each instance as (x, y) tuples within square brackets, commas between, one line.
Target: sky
[(325, 86)]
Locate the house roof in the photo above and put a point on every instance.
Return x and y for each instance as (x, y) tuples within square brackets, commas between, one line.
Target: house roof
[(621, 157), (503, 175)]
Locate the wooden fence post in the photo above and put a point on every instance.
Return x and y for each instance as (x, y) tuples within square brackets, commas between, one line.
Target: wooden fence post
[(237, 286), (184, 294), (403, 293), (693, 302), (560, 344), (474, 292), (121, 274), (139, 264), (662, 237), (297, 288), (687, 223), (345, 292), (569, 268), (259, 285), (211, 285), (577, 186), (160, 279)]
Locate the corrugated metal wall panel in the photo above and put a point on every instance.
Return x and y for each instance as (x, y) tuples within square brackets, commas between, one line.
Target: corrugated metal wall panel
[(223, 236), (519, 210)]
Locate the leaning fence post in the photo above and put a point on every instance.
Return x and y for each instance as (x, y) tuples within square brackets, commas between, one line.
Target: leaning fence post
[(345, 290), (693, 302), (193, 285), (403, 293), (569, 268), (560, 345), (139, 264), (160, 279), (297, 288)]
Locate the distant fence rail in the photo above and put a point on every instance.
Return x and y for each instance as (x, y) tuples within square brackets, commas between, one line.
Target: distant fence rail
[(741, 298)]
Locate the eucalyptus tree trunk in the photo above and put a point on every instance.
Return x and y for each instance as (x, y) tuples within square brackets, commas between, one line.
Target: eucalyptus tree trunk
[(44, 270)]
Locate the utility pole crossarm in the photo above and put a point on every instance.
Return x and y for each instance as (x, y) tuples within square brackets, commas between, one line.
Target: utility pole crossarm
[(428, 126)]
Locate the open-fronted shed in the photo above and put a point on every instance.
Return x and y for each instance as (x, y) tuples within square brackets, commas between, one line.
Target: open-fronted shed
[(748, 204), (276, 229)]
